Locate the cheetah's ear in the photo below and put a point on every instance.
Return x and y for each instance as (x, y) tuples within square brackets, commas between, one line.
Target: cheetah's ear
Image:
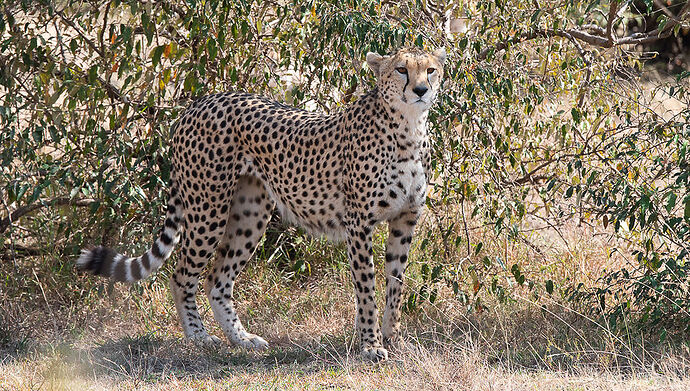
[(374, 62), (440, 55)]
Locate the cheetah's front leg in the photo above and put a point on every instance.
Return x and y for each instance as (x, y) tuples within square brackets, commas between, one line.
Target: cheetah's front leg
[(400, 233), (362, 269)]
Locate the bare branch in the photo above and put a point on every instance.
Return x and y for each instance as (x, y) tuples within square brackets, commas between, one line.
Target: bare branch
[(579, 35), (24, 210), (606, 41), (613, 9), (105, 24), (593, 28), (541, 33)]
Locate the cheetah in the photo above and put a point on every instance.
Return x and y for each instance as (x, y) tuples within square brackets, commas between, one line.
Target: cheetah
[(237, 156)]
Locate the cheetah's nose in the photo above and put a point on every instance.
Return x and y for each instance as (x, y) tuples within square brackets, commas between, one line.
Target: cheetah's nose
[(420, 91)]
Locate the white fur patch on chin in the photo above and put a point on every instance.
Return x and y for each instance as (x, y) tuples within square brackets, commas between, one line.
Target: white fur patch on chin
[(414, 113)]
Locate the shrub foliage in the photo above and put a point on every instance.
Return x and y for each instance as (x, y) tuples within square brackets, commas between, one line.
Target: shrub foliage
[(544, 118)]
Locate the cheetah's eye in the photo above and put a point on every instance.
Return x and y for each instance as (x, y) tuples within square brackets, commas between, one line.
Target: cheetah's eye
[(430, 70), (401, 70)]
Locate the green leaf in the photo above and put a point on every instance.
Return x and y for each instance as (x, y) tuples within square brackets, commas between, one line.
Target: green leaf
[(569, 192), (549, 286), (433, 295), (419, 41), (93, 74), (73, 45), (21, 190), (671, 202), (38, 135), (478, 248), (54, 134), (515, 269), (156, 55), (577, 115), (662, 20)]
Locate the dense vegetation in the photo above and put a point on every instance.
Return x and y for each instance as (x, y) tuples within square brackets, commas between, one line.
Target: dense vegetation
[(544, 121)]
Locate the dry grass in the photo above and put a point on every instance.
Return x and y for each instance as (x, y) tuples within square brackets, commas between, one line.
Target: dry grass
[(153, 363), (60, 331)]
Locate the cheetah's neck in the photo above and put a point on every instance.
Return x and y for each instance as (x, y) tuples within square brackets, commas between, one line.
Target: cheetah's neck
[(408, 125)]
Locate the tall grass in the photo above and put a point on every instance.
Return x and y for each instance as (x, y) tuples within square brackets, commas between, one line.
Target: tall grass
[(61, 330)]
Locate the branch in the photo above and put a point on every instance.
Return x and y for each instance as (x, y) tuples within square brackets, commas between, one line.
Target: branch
[(663, 9), (24, 210), (609, 24), (593, 28), (113, 92), (541, 33), (530, 176), (537, 179), (178, 38), (105, 24), (581, 36), (604, 38), (506, 44), (81, 34)]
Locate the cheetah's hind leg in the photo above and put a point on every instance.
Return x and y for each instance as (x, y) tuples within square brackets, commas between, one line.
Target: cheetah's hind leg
[(205, 220), (250, 211)]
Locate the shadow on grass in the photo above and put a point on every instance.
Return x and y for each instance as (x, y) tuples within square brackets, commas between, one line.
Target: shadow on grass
[(152, 357)]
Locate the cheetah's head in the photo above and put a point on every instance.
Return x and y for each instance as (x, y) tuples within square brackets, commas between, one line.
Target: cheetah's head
[(409, 79)]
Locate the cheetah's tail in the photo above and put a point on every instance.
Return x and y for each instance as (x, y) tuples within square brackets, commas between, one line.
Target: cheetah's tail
[(106, 262)]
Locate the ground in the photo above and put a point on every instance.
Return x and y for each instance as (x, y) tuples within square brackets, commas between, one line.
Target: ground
[(64, 331)]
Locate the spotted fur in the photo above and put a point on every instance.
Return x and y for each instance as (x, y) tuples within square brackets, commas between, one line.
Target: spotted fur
[(237, 156)]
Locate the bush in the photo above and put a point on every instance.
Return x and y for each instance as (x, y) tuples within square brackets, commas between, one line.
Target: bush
[(543, 116)]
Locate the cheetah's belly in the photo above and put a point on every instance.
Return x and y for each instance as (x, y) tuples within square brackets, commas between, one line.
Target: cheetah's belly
[(320, 216)]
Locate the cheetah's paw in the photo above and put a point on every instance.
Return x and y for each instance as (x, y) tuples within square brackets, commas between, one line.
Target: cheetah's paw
[(375, 353), (252, 342), (393, 341), (205, 341)]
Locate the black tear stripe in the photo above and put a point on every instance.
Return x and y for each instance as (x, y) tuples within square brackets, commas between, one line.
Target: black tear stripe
[(407, 81)]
